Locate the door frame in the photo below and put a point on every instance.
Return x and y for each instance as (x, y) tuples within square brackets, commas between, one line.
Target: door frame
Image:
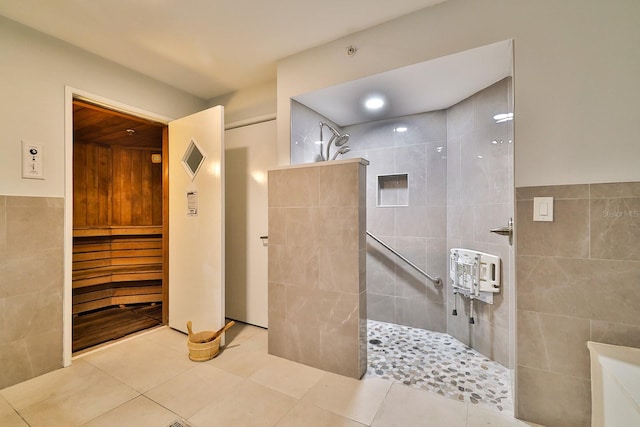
[(69, 95)]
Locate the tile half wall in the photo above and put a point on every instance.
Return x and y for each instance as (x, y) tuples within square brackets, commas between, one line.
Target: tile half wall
[(31, 286), (578, 279)]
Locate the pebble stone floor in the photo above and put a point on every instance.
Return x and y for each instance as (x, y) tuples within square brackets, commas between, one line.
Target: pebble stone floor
[(437, 362)]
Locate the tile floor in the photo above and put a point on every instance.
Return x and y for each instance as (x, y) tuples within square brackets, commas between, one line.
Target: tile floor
[(439, 363), (148, 380)]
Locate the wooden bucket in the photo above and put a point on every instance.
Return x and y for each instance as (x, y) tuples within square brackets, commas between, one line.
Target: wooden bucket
[(205, 345), (203, 351)]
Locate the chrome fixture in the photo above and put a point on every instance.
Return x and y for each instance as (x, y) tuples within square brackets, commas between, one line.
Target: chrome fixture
[(342, 150), (337, 138), (436, 280), (505, 231)]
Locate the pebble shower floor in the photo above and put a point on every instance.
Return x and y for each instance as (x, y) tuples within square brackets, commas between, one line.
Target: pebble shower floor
[(437, 362)]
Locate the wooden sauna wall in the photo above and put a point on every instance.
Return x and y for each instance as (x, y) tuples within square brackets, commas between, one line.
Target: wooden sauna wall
[(115, 186), (118, 233)]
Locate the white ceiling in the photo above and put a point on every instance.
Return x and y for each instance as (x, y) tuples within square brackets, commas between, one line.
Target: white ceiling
[(205, 47), (427, 86)]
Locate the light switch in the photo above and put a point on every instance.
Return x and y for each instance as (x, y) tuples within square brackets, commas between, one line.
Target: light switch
[(32, 160), (543, 208)]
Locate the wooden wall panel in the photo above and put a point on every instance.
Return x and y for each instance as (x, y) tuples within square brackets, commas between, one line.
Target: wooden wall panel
[(122, 188), (104, 185), (80, 185), (156, 191), (92, 173), (137, 188), (116, 186)]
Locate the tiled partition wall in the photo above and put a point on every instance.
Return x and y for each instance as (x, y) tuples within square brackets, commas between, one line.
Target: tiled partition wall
[(578, 280), (416, 146), (317, 269), (31, 283), (480, 193)]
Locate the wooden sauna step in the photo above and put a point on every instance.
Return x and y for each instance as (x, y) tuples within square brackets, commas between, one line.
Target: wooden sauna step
[(116, 254), (137, 230), (102, 326), (97, 297)]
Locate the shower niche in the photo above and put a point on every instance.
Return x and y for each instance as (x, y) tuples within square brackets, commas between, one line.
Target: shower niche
[(393, 190)]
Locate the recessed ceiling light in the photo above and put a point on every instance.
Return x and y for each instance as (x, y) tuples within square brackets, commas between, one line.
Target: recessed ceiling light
[(374, 103), (401, 129)]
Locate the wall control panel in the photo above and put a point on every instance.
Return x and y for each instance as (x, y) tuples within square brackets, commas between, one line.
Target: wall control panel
[(543, 209), (32, 160)]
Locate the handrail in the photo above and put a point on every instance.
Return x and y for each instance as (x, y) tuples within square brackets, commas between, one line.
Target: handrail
[(436, 280)]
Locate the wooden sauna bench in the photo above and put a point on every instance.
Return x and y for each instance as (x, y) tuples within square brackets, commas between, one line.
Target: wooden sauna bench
[(116, 266)]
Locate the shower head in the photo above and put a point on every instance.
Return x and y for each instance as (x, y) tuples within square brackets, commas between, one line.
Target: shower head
[(337, 137), (331, 128), (342, 150), (341, 140)]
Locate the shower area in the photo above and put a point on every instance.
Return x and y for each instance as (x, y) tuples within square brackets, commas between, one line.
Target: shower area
[(436, 181)]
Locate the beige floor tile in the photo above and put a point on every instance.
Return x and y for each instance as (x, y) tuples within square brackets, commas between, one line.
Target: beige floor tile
[(480, 417), (141, 363), (285, 376), (5, 408), (12, 420), (239, 362), (407, 407), (308, 415), (138, 412), (194, 389), (49, 385), (169, 338), (246, 337), (250, 405), (99, 394), (358, 400)]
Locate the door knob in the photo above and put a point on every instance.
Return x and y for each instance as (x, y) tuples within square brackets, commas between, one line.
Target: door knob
[(505, 231)]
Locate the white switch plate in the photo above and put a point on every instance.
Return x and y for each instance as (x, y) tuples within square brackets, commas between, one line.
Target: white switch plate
[(32, 160), (543, 208)]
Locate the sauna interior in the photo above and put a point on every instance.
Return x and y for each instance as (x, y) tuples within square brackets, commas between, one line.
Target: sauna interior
[(119, 225)]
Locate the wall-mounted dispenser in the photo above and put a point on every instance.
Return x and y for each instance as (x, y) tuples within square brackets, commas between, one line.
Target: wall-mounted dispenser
[(475, 275)]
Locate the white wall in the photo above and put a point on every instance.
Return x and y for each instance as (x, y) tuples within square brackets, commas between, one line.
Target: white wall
[(34, 70), (577, 64), (248, 103)]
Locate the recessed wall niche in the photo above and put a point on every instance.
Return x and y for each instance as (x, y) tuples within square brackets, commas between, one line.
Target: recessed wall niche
[(393, 190)]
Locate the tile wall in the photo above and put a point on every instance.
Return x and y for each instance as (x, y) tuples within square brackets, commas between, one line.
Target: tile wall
[(317, 286), (31, 286), (480, 197), (578, 280), (459, 164), (396, 293)]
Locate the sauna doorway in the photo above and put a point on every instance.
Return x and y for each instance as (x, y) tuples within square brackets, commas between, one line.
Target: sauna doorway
[(120, 210)]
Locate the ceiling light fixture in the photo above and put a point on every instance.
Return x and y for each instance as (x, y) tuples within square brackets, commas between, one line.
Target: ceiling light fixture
[(401, 129), (374, 103)]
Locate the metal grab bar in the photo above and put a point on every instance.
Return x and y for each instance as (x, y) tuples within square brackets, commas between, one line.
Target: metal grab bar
[(436, 280)]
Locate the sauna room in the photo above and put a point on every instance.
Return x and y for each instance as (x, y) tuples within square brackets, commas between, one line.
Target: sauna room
[(119, 225)]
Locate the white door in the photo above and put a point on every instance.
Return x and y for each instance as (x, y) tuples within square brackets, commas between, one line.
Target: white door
[(196, 221), (250, 152)]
